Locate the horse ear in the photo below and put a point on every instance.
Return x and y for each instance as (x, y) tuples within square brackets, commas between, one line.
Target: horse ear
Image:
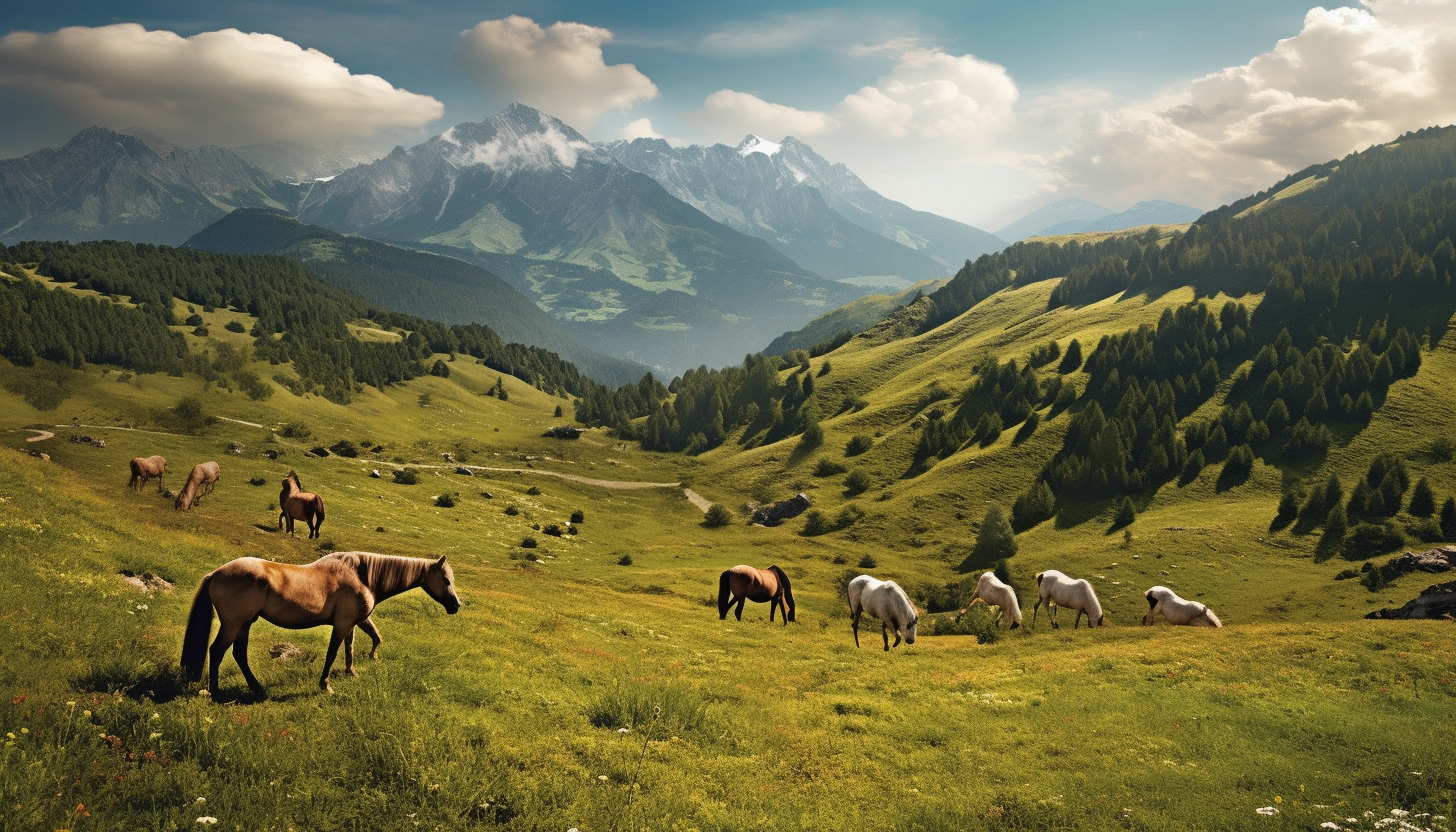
[(441, 562)]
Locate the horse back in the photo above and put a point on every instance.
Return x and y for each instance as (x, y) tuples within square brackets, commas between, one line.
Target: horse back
[(289, 595)]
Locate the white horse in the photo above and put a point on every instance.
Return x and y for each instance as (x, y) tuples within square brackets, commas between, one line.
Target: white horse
[(1057, 590), (1165, 602), (993, 592), (886, 601)]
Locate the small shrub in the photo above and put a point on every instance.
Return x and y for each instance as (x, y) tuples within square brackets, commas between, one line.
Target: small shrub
[(815, 523), (445, 501), (295, 430), (1126, 514), (256, 481), (1370, 539), (528, 543), (867, 562), (827, 467), (533, 491), (553, 530), (345, 448), (406, 476), (857, 482), (625, 560), (717, 516), (578, 517), (512, 511), (235, 326), (1443, 449), (858, 444)]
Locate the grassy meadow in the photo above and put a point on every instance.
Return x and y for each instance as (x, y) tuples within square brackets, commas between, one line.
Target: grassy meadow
[(587, 682)]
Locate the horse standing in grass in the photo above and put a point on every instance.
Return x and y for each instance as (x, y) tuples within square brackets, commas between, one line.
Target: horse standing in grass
[(1057, 590), (296, 504), (748, 583), (199, 483), (144, 468), (1165, 602), (340, 590), (993, 592), (886, 601)]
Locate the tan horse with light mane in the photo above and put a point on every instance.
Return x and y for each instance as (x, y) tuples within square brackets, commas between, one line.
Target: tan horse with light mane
[(339, 590), (296, 504), (748, 583), (144, 468), (199, 483)]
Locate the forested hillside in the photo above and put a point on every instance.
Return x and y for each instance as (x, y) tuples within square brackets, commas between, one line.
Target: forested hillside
[(299, 319)]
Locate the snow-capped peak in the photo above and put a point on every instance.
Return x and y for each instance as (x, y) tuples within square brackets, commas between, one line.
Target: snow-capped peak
[(754, 144)]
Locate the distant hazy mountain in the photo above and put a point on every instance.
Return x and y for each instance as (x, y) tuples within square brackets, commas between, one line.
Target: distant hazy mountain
[(816, 212), (1062, 211), (855, 317), (426, 285), (761, 189), (1148, 212), (108, 185), (293, 162), (637, 272)]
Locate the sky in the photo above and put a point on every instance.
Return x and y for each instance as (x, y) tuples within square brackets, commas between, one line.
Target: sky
[(978, 111)]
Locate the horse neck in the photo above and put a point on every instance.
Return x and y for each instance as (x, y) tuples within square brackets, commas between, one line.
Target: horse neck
[(389, 575)]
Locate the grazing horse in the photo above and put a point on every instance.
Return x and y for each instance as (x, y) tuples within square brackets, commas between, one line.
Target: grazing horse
[(199, 483), (340, 590), (993, 592), (1165, 602), (748, 583), (297, 504), (1057, 590), (886, 601), (144, 468)]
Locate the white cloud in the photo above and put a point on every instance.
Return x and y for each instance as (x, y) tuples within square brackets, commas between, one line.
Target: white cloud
[(1352, 77), (559, 69), (507, 154), (640, 129), (729, 112), (225, 87), (826, 29)]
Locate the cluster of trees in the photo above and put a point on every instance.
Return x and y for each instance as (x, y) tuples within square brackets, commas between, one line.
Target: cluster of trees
[(300, 320)]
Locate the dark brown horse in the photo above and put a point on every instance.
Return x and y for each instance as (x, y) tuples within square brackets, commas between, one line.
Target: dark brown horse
[(144, 468), (748, 583), (296, 504), (340, 590), (200, 482)]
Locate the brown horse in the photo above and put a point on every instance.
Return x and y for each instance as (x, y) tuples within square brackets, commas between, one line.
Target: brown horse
[(748, 583), (199, 483), (297, 504), (340, 590), (144, 468)]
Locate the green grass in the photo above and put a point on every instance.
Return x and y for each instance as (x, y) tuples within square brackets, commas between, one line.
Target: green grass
[(512, 713)]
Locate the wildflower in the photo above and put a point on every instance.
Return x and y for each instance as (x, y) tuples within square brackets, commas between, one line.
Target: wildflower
[(207, 820), (156, 715), (602, 777), (200, 800), (86, 713), (71, 703), (154, 735), (624, 730), (1267, 810), (1329, 824)]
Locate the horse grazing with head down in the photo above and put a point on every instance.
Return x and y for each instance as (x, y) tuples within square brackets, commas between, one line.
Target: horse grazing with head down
[(748, 583), (1057, 590), (199, 483), (1165, 602), (144, 468), (886, 601), (297, 504), (340, 590), (993, 592)]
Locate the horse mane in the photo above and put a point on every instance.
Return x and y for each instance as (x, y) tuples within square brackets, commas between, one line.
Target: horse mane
[(293, 475), (388, 575)]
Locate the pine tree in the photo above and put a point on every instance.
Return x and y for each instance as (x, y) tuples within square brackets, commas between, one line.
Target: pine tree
[(1126, 514), (1423, 499), (996, 540)]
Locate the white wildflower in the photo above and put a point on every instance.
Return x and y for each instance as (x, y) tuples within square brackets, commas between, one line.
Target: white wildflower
[(207, 820), (1267, 810), (1329, 824)]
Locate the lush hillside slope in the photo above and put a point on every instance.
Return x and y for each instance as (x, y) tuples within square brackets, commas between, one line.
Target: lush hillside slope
[(429, 286)]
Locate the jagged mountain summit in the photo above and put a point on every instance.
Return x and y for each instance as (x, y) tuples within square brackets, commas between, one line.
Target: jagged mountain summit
[(818, 213), (603, 248), (108, 185)]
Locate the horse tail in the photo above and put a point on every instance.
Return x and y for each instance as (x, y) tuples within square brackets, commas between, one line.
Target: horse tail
[(1212, 619), (320, 503), (199, 627), (724, 591), (788, 591)]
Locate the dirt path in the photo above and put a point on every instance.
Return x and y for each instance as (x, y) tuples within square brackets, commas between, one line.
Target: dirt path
[(697, 499), (40, 435)]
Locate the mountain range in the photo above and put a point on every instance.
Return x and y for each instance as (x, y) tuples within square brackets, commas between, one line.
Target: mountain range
[(1073, 215)]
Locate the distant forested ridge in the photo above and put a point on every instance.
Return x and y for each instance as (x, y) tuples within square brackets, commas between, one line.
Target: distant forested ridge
[(299, 319)]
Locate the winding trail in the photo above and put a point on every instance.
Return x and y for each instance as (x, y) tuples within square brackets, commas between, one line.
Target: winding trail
[(40, 435)]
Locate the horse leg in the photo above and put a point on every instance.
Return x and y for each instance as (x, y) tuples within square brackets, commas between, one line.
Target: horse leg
[(227, 633), (335, 639), (349, 653), (367, 625), (738, 610), (854, 621), (885, 634), (1035, 608), (240, 655)]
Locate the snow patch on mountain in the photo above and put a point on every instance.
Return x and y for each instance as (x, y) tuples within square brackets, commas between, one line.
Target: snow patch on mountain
[(755, 144), (510, 153)]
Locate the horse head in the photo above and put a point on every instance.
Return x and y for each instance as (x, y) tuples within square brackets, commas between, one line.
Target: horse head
[(439, 583), (909, 629)]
